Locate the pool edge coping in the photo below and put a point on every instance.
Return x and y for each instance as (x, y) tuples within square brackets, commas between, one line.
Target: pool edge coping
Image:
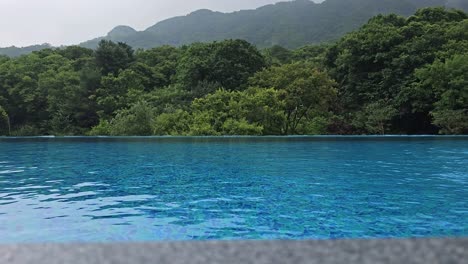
[(421, 250)]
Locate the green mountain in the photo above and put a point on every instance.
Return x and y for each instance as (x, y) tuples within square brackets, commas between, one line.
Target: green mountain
[(290, 24), (16, 51)]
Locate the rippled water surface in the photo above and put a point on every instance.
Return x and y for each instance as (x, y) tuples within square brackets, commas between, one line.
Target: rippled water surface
[(61, 190)]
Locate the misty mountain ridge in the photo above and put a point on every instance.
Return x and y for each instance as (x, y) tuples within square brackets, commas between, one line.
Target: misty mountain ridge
[(289, 24)]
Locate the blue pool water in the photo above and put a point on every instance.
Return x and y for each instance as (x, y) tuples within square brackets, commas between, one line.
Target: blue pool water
[(152, 189)]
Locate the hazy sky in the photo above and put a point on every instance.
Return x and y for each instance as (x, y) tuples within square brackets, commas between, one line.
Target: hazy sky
[(27, 22)]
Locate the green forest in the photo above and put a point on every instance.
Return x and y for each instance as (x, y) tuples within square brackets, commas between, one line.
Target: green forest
[(394, 75)]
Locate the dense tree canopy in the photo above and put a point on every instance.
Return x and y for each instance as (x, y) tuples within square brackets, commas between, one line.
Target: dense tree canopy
[(394, 75), (379, 64), (448, 82), (307, 93), (228, 63)]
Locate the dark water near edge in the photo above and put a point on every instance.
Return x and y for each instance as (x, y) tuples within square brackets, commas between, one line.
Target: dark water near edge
[(146, 189)]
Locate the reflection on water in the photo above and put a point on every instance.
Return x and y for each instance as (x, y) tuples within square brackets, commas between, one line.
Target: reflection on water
[(232, 188)]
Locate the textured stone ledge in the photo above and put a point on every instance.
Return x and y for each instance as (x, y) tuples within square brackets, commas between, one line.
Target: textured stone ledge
[(261, 252)]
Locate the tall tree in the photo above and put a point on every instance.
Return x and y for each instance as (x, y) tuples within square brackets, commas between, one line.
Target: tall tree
[(307, 92), (112, 57), (5, 128), (228, 63), (447, 84)]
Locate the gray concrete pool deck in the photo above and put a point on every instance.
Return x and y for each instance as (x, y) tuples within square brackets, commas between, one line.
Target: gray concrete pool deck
[(245, 252)]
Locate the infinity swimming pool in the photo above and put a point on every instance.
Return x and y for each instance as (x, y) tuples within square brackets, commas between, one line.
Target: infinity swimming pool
[(153, 189)]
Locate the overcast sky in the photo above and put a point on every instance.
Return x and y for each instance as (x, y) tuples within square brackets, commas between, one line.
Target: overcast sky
[(64, 22)]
